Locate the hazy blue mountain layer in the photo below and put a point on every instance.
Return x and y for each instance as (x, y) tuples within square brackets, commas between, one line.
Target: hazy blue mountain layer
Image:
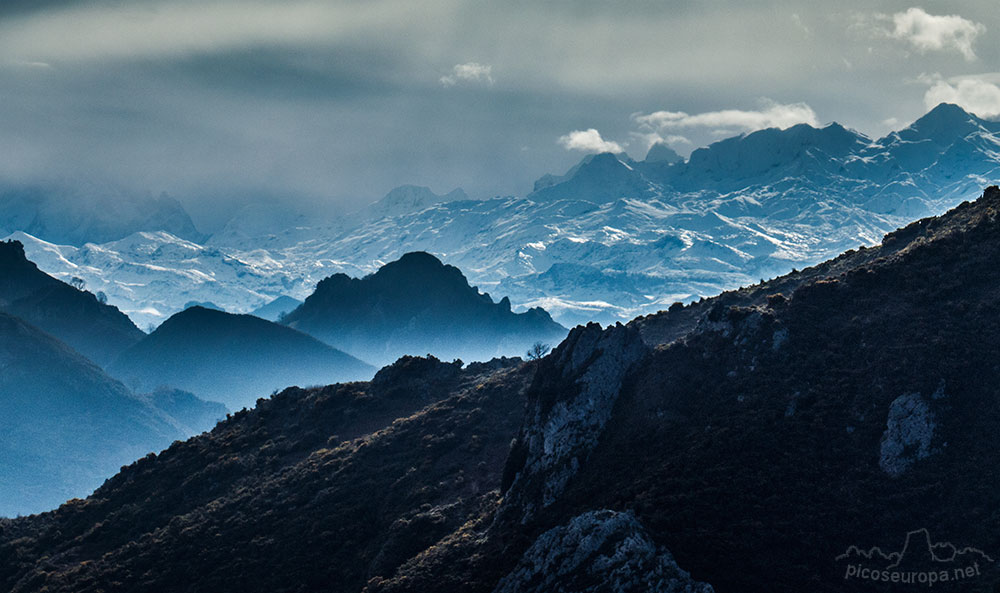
[(233, 359), (417, 305), (66, 426)]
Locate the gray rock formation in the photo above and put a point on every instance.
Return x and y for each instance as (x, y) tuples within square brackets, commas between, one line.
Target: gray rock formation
[(566, 418), (908, 434), (598, 551)]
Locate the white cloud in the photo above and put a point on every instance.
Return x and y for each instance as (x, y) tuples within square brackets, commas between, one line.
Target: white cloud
[(976, 94), (771, 115), (928, 32), (470, 72), (589, 141)]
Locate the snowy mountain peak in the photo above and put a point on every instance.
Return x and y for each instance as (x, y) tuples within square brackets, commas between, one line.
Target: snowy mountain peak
[(411, 198), (764, 152), (942, 125), (598, 178)]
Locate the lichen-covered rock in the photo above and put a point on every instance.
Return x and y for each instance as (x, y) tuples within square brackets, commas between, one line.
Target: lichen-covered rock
[(908, 434), (598, 551), (566, 416)]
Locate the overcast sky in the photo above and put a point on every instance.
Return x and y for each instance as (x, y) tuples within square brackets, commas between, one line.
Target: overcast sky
[(217, 101)]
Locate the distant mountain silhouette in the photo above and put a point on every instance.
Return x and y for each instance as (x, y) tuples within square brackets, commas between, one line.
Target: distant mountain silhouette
[(233, 359), (661, 153), (273, 310), (187, 408), (65, 425), (97, 330), (202, 304), (410, 198), (417, 305)]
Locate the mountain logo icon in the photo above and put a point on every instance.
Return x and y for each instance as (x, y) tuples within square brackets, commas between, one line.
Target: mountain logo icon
[(921, 561)]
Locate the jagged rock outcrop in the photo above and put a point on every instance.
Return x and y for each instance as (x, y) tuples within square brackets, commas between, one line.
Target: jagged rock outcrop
[(908, 435), (597, 552), (567, 412)]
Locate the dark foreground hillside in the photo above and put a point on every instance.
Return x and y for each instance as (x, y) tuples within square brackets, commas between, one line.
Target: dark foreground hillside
[(313, 490), (767, 440)]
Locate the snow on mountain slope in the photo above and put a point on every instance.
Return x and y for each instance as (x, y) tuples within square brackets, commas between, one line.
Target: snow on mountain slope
[(150, 276), (611, 239)]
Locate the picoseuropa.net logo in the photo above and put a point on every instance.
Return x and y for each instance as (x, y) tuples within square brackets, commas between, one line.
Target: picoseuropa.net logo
[(920, 562)]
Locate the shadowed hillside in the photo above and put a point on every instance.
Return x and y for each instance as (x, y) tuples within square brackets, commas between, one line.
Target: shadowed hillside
[(99, 331), (65, 425), (234, 359), (318, 489)]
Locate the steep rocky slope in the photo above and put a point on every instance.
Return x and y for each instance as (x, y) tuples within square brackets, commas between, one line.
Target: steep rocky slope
[(765, 432)]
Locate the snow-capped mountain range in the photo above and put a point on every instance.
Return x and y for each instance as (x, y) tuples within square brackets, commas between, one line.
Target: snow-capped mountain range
[(611, 239)]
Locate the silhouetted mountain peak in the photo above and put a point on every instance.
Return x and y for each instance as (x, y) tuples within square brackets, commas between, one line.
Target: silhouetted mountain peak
[(415, 279), (413, 262), (417, 305), (18, 275), (11, 251), (95, 329), (195, 316)]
